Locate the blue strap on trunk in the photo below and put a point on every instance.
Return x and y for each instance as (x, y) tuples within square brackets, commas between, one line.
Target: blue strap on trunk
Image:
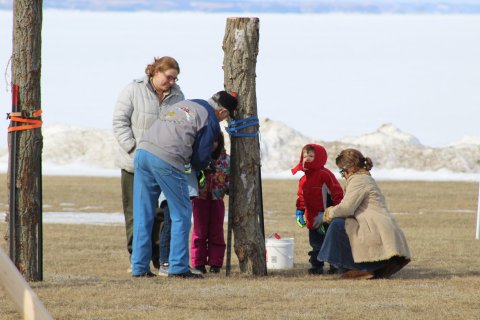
[(235, 125)]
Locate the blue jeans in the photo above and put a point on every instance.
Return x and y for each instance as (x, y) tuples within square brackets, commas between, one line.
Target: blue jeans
[(167, 221), (336, 249), (152, 176)]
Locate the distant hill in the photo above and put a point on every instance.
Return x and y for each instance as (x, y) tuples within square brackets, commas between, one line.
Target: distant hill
[(280, 148), (267, 6)]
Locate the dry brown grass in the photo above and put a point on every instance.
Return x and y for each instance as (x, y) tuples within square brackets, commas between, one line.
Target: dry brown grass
[(85, 266)]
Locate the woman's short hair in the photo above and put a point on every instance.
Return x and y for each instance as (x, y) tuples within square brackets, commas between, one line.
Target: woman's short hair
[(162, 64)]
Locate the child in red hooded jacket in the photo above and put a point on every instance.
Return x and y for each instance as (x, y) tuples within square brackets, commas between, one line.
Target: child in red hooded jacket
[(317, 190)]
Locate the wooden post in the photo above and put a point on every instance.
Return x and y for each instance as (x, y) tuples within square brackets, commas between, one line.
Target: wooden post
[(477, 230), (240, 46), (24, 179)]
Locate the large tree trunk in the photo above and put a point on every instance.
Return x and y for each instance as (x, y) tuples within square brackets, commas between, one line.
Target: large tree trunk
[(24, 178), (240, 46)]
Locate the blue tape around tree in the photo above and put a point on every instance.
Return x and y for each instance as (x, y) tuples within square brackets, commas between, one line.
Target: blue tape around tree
[(235, 125)]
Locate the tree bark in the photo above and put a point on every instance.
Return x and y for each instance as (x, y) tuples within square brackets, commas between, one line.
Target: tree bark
[(25, 173), (240, 45)]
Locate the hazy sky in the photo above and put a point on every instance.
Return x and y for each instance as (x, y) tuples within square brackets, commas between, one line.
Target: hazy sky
[(327, 76)]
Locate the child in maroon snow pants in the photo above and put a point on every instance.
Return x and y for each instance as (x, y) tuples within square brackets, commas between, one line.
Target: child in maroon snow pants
[(208, 243)]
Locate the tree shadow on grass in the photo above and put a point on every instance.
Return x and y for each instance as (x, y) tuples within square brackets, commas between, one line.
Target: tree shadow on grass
[(65, 280), (410, 271), (299, 270), (429, 273), (406, 273)]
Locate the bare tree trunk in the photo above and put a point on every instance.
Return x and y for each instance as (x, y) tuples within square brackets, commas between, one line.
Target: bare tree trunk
[(240, 46), (26, 145)]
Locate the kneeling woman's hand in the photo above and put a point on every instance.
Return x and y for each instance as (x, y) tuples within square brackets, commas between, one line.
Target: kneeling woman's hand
[(326, 215)]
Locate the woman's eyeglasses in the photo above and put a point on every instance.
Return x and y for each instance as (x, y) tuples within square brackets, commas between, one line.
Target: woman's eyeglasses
[(342, 170), (170, 78)]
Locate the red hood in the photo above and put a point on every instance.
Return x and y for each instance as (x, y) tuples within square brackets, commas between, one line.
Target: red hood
[(318, 163)]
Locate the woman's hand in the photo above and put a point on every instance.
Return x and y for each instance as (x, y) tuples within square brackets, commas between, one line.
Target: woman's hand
[(326, 215)]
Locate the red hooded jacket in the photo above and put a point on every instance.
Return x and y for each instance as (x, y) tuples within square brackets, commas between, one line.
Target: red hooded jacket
[(315, 185)]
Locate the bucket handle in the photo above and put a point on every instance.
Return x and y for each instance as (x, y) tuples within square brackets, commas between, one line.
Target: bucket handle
[(275, 235)]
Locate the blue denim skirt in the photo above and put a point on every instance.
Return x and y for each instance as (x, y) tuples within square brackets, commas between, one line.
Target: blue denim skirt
[(336, 250)]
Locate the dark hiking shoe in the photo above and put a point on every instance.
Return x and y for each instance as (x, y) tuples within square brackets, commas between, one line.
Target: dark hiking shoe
[(185, 275), (313, 259), (215, 269), (332, 270), (201, 269), (147, 274), (315, 271)]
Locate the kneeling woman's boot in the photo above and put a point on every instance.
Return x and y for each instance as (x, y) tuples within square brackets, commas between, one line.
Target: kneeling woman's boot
[(394, 265)]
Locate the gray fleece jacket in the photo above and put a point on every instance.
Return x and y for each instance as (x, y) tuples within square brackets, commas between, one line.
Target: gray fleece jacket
[(136, 110), (184, 134)]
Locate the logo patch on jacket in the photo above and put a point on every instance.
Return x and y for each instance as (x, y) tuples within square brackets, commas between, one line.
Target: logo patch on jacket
[(170, 114), (189, 115), (180, 113)]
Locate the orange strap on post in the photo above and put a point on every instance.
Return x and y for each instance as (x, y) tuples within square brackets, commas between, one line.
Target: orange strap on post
[(25, 117)]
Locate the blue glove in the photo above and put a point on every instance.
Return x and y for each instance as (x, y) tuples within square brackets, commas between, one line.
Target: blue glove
[(300, 220)]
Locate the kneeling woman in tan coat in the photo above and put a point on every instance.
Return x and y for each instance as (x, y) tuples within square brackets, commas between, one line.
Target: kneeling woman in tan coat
[(363, 239)]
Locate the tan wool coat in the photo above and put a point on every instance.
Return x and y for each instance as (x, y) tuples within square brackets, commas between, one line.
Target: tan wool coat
[(372, 230)]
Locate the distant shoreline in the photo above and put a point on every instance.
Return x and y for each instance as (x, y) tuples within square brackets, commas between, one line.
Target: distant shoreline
[(267, 7)]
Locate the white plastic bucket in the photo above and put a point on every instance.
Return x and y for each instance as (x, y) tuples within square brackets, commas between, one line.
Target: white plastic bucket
[(279, 253)]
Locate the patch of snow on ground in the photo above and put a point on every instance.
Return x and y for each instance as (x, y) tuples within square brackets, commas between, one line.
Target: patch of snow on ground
[(96, 218)]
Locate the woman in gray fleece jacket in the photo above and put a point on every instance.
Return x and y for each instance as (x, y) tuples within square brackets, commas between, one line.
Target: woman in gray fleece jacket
[(137, 107)]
